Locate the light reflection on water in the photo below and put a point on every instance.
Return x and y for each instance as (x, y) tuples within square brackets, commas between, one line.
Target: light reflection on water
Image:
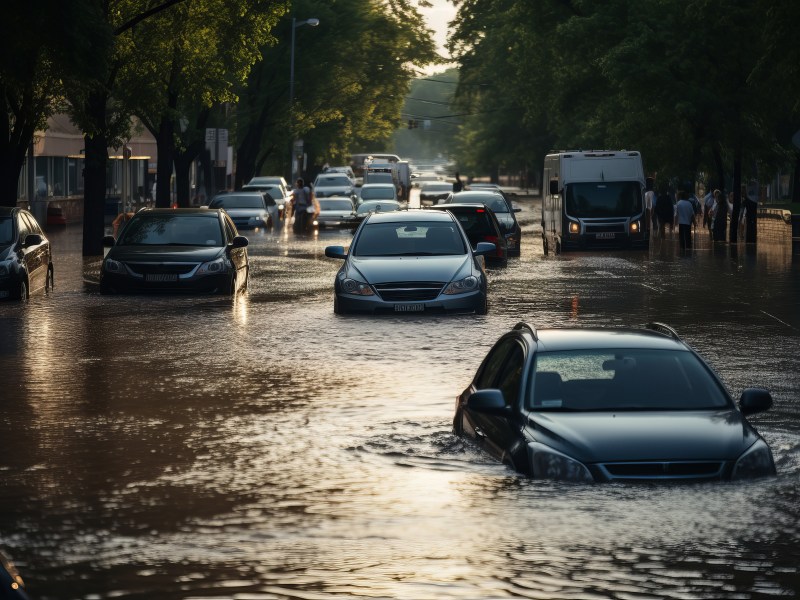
[(266, 448)]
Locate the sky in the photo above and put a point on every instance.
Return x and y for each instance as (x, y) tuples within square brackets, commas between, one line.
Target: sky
[(438, 16)]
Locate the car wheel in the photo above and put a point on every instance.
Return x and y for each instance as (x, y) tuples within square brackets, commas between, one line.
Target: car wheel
[(483, 307), (545, 246), (49, 282), (22, 290), (336, 309), (558, 247)]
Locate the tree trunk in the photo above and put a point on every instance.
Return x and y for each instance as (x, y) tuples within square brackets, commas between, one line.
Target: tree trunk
[(183, 167), (94, 195), (737, 195), (165, 142), (718, 163)]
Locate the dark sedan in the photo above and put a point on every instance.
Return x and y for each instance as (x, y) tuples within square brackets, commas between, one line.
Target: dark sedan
[(176, 250), (501, 207), (481, 225), (26, 259), (410, 261), (610, 405), (248, 209)]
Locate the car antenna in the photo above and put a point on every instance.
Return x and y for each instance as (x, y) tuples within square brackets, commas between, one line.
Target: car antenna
[(529, 327), (665, 330)]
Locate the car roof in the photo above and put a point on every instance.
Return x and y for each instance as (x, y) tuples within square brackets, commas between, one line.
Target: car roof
[(473, 206), (378, 185), (478, 193), (410, 216), (597, 338), (239, 193), (186, 212)]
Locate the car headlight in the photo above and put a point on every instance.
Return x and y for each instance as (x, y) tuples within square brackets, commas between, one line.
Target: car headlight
[(462, 286), (756, 461), (357, 288), (213, 267), (113, 266), (551, 464), (574, 227), (634, 226)]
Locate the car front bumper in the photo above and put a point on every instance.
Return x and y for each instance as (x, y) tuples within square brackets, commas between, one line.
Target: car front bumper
[(460, 303)]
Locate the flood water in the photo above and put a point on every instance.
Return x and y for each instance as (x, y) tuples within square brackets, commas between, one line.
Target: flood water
[(263, 448)]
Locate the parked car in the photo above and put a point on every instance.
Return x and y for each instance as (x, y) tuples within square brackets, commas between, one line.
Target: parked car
[(335, 212), (279, 193), (26, 258), (432, 192), (333, 184), (194, 250), (249, 210), (501, 207), (600, 404), (377, 191), (410, 261), (370, 206), (481, 225)]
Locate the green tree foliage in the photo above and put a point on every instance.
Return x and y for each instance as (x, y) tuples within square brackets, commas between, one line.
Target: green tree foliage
[(47, 44), (351, 74), (690, 84)]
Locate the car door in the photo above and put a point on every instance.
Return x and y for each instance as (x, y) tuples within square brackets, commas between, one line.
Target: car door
[(29, 256), (38, 255), (501, 435), (238, 256)]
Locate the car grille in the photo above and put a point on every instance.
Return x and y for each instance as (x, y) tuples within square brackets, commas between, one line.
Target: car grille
[(409, 290), (605, 228), (689, 470), (161, 268)]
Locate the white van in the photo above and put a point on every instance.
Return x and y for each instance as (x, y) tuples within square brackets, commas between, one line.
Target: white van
[(594, 199)]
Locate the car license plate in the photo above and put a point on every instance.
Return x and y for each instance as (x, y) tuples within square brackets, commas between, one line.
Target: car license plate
[(409, 307), (161, 277), (605, 236)]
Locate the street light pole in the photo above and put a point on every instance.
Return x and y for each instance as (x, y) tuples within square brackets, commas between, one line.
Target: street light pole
[(295, 25)]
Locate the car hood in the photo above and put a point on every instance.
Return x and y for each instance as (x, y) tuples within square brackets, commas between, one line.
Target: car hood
[(160, 254), (644, 435), (384, 269)]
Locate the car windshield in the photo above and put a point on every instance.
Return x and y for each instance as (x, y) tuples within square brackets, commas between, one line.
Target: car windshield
[(409, 239), (6, 231), (494, 201), (172, 230), (237, 202), (623, 379), (333, 180), (325, 204), (377, 193), (604, 199)]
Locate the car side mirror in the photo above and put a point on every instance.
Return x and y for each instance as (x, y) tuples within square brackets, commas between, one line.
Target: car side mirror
[(485, 248), (239, 242), (335, 252), (109, 241), (755, 400), (488, 401), (32, 239), (554, 187)]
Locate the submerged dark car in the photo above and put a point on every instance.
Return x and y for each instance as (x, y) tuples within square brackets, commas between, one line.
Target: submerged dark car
[(481, 225), (26, 260), (610, 405), (410, 261), (501, 207), (196, 250)]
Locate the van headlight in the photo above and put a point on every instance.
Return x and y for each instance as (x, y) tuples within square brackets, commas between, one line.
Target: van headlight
[(756, 461), (462, 286), (547, 463), (574, 227), (635, 226)]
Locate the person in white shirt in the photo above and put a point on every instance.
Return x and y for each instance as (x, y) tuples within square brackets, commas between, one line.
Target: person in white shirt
[(685, 213)]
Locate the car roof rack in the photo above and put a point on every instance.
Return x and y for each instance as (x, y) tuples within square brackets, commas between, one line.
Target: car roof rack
[(665, 330), (529, 327)]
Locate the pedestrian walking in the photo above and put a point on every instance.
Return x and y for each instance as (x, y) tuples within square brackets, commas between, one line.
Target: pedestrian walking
[(708, 206), (301, 202), (665, 213), (750, 209), (650, 203), (685, 213), (719, 217), (458, 185)]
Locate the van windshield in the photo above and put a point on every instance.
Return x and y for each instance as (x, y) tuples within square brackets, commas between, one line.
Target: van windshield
[(604, 199)]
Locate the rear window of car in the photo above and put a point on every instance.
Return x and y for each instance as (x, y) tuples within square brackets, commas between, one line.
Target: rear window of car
[(437, 187), (335, 204), (237, 202), (378, 193), (475, 223), (330, 180), (623, 379)]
